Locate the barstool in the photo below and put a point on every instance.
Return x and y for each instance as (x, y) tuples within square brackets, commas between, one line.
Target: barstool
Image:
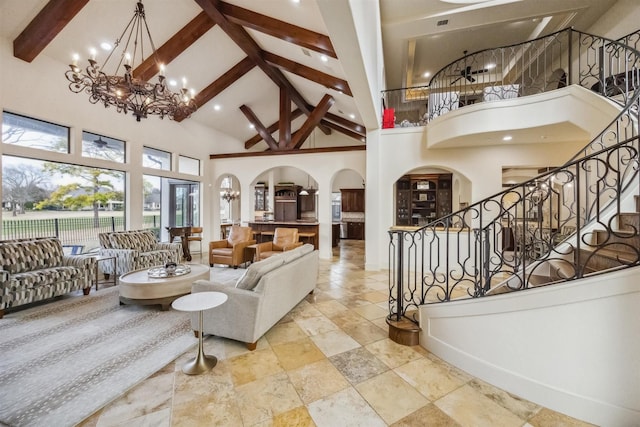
[(266, 236), (310, 236)]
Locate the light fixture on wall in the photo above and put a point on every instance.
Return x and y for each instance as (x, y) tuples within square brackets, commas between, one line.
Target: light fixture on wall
[(228, 194), (126, 92)]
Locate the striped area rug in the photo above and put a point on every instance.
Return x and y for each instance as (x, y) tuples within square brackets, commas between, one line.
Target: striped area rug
[(62, 361)]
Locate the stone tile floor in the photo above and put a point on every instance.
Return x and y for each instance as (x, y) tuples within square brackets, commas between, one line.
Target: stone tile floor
[(328, 363)]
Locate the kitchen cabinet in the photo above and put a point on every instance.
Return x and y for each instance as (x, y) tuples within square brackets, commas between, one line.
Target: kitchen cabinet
[(352, 199), (355, 230), (422, 198), (286, 203), (261, 198), (308, 203)]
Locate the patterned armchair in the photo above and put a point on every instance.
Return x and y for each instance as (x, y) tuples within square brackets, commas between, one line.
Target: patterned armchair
[(135, 250), (231, 251), (37, 269)]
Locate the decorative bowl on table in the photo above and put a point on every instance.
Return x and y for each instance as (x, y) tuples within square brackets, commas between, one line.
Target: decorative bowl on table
[(169, 270)]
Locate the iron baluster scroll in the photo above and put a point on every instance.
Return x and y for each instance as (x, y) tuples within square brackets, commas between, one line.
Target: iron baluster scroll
[(554, 228)]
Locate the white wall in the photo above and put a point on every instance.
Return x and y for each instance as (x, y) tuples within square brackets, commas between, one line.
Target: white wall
[(571, 348)]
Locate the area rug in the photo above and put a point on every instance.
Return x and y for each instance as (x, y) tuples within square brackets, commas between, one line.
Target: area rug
[(62, 361)]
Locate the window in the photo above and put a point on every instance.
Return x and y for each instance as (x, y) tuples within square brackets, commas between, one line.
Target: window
[(101, 147), (27, 132), (188, 165), (156, 159), (71, 202)]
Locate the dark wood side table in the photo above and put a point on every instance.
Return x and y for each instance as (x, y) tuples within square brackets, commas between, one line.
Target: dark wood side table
[(183, 233)]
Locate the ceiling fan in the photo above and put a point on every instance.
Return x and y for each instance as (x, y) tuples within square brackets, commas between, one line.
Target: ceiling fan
[(100, 143), (468, 74)]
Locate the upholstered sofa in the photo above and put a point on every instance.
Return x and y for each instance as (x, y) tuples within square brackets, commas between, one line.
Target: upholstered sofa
[(37, 269), (260, 297), (134, 250)]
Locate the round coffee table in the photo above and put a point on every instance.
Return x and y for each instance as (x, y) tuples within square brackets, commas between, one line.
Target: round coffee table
[(199, 302), (136, 287)]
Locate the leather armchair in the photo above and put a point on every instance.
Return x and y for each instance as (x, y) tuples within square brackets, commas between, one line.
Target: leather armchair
[(231, 251), (284, 239)]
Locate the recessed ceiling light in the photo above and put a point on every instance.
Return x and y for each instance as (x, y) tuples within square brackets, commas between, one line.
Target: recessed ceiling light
[(507, 138), (295, 1), (352, 116), (251, 126), (105, 46), (426, 74), (217, 107), (324, 58)]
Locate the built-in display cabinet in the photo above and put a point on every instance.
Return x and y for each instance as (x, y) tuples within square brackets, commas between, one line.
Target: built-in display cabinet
[(421, 199)]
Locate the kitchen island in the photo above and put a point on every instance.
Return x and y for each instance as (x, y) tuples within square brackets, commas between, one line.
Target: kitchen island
[(309, 231)]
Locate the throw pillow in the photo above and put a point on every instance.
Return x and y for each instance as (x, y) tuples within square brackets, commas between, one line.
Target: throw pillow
[(252, 276)]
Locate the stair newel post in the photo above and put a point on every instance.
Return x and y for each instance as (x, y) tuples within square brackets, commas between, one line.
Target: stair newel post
[(395, 269), (399, 275)]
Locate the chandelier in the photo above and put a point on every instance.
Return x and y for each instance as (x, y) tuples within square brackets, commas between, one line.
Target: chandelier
[(228, 195), (126, 92)]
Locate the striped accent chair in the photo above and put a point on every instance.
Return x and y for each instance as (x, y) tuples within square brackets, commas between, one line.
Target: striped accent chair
[(135, 250), (37, 269)]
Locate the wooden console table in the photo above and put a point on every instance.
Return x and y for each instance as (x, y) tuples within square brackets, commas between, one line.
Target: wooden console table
[(183, 233)]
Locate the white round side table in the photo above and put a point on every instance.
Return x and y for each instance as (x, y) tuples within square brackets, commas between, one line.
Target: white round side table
[(199, 302)]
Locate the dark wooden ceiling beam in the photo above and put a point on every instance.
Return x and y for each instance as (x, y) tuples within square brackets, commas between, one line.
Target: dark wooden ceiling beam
[(285, 118), (280, 29), (177, 44), (345, 131), (271, 129), (262, 130), (45, 27), (312, 121), (352, 126), (244, 41), (283, 152), (308, 73), (226, 80)]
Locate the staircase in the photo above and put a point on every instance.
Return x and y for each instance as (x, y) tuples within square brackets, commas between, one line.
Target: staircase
[(457, 289)]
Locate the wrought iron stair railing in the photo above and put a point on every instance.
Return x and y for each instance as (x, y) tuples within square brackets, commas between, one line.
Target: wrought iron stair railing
[(556, 227), (536, 66)]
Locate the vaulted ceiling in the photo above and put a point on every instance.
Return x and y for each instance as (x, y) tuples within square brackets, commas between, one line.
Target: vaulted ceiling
[(283, 79), (266, 72)]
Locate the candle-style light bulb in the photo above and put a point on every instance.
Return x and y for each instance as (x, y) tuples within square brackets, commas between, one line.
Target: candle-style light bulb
[(127, 58), (75, 58), (162, 69), (184, 82), (92, 54)]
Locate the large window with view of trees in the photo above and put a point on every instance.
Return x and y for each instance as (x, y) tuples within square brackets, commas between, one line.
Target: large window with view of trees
[(74, 203)]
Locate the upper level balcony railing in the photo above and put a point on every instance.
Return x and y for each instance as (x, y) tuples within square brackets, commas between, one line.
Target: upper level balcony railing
[(555, 227), (544, 64)]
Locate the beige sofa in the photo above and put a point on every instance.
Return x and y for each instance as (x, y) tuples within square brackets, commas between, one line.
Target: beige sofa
[(258, 299)]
